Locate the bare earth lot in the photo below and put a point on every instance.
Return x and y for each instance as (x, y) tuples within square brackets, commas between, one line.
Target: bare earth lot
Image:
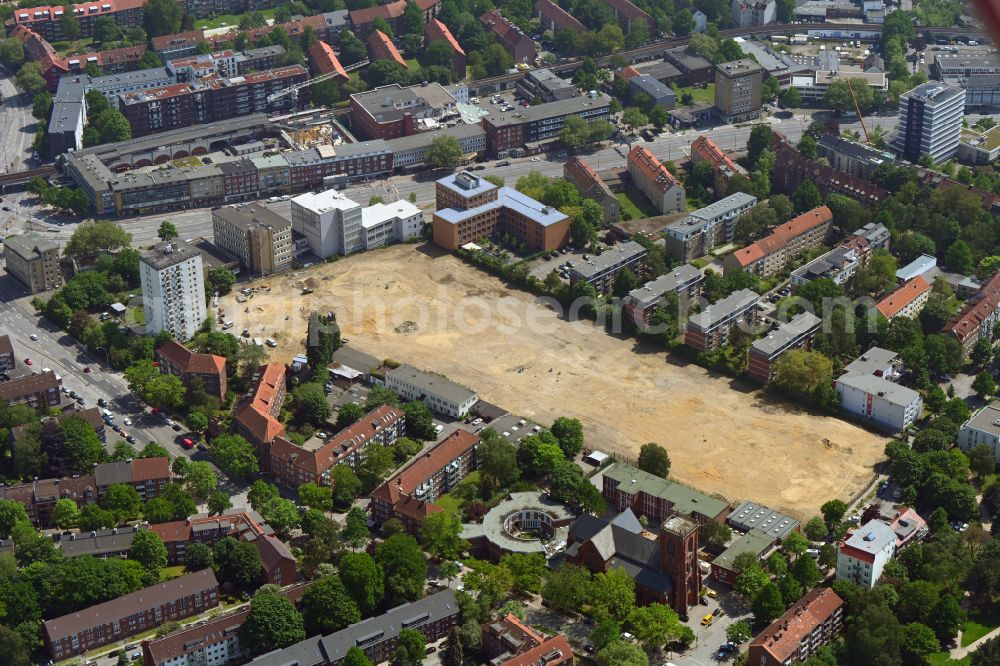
[(414, 304)]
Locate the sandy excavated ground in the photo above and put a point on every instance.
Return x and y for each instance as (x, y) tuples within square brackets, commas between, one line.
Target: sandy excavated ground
[(723, 435)]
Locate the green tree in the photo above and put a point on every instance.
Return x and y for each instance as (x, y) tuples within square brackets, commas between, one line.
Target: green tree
[(327, 607), (355, 657), (654, 625), (261, 492), (311, 405), (760, 140), (123, 501), (815, 529), (982, 461), (273, 623), (355, 531), (93, 517), (750, 581), (805, 571), (218, 503), (29, 78), (539, 454), (316, 497), (349, 414), (654, 459), (221, 280), (738, 632), (65, 514), (569, 433), (11, 513), (235, 456), (984, 385), (380, 395), (323, 339), (497, 460), (11, 53), (801, 373), (959, 258), (13, 649), (237, 562), (162, 17), (716, 536), (346, 485), (614, 592), (200, 480), (767, 604), (80, 442), (806, 197), (441, 536), (41, 109), (148, 550), (620, 653), (946, 618), (444, 152), (282, 515), (833, 512), (566, 587), (403, 566), (167, 231), (362, 578), (419, 420)]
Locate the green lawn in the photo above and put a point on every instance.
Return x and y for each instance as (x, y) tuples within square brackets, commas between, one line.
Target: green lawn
[(65, 48), (452, 502), (706, 94), (635, 204), (942, 659), (139, 315), (231, 20), (169, 573), (978, 625), (412, 64)]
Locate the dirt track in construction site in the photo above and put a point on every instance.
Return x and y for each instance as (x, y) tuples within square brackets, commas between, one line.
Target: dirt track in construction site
[(724, 436)]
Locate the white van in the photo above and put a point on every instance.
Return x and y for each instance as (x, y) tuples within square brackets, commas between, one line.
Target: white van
[(271, 342)]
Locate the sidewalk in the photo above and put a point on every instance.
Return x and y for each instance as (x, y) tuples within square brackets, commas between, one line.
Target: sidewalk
[(961, 652)]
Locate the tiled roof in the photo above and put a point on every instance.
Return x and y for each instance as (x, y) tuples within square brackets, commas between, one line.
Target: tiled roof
[(383, 49), (783, 637), (585, 175), (391, 10), (631, 12), (979, 309), (652, 168), (149, 469), (16, 389), (187, 361), (438, 30), (542, 654), (902, 297), (255, 415), (556, 14), (708, 151), (325, 59), (406, 481), (783, 234)]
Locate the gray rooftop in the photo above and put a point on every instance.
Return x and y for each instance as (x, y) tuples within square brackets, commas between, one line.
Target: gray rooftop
[(113, 472), (871, 361), (986, 420), (391, 103), (741, 67), (652, 86), (889, 391), (933, 93), (827, 265), (98, 543), (918, 266), (331, 649), (492, 527), (164, 255), (507, 197), (249, 216), (786, 334), (564, 107), (752, 542), (29, 246), (673, 280), (432, 384), (614, 256), (685, 500), (466, 184), (95, 174), (872, 537), (127, 79), (66, 117), (754, 517), (661, 70), (724, 206), (424, 139), (721, 310), (858, 151)]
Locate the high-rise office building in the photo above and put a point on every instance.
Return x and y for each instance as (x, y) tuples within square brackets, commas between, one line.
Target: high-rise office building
[(930, 121), (173, 289)]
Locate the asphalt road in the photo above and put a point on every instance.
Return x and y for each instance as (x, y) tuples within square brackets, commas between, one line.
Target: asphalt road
[(17, 129)]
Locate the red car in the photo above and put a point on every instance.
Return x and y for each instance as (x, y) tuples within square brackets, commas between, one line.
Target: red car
[(27, 361), (87, 370), (187, 443), (155, 410)]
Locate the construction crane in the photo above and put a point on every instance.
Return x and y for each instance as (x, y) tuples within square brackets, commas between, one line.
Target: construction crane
[(318, 79), (868, 138)]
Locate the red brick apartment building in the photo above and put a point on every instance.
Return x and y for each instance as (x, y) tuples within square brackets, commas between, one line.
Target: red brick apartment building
[(976, 319), (131, 614), (626, 487), (627, 14), (591, 186), (292, 465), (392, 13), (277, 561), (813, 620), (257, 419), (771, 254), (798, 333), (176, 359), (704, 149), (217, 641), (510, 642), (39, 497), (7, 360), (147, 475), (409, 495), (555, 18), (47, 20), (380, 47), (325, 61), (435, 31), (520, 47), (39, 391), (791, 169)]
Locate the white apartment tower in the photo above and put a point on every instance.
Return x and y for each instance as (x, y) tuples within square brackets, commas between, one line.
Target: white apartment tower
[(173, 289), (930, 121)]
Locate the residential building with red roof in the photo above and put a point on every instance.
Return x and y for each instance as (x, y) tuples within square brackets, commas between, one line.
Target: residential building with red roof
[(380, 47), (134, 613), (325, 61), (257, 418), (627, 14), (976, 319), (176, 359), (704, 149), (591, 186), (39, 497), (812, 621), (39, 391), (520, 47), (509, 642), (292, 465), (47, 20), (907, 301), (555, 18), (409, 495), (391, 13), (147, 475), (242, 524), (37, 49), (771, 254), (791, 169), (217, 641), (627, 73), (659, 186), (435, 31)]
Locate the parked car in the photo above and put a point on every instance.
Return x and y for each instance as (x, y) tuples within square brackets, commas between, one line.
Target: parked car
[(187, 443), (33, 337)]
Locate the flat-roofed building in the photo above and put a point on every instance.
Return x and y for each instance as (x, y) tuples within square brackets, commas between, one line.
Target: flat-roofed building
[(879, 401), (33, 261), (712, 327), (754, 517), (813, 621), (600, 271), (839, 265), (534, 127), (392, 111), (738, 90), (409, 152), (7, 359), (907, 301), (798, 333), (639, 305), (173, 289), (545, 85), (409, 495), (863, 554), (930, 121), (112, 621), (715, 224), (439, 393), (771, 254), (660, 187), (257, 236), (983, 429), (660, 93)]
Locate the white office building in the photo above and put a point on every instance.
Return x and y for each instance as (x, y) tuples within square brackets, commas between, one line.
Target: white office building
[(334, 224), (439, 393), (863, 556), (930, 121), (173, 289)]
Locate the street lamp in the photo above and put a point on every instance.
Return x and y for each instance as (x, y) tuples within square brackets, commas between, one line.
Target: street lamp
[(107, 358)]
